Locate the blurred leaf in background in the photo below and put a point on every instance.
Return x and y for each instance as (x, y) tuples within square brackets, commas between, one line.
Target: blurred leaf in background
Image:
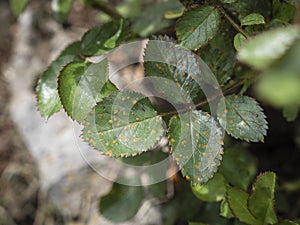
[(18, 6)]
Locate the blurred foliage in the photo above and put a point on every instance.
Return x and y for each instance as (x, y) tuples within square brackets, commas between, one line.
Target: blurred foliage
[(252, 47)]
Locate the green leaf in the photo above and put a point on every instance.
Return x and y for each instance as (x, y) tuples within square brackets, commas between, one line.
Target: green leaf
[(80, 87), (243, 118), (179, 207), (18, 6), (228, 1), (263, 50), (157, 189), (225, 210), (245, 7), (213, 191), (47, 93), (279, 88), (122, 202), (282, 10), (130, 8), (196, 142), (61, 9), (291, 112), (175, 13), (237, 200), (261, 200), (156, 17), (210, 214), (238, 41), (102, 39), (220, 57), (163, 59), (121, 125), (72, 49), (252, 19), (197, 26), (238, 167)]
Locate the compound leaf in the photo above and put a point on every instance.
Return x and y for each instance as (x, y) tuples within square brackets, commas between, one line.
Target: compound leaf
[(61, 9), (80, 86), (123, 125), (261, 200), (125, 200), (237, 200), (243, 118), (197, 26), (196, 142)]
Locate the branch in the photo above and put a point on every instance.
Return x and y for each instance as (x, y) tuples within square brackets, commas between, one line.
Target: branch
[(232, 22), (104, 7)]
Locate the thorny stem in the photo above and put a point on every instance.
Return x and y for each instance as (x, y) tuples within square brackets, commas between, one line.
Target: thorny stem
[(104, 7), (232, 22)]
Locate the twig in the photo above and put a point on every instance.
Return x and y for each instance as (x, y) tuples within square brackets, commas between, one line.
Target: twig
[(104, 7), (200, 104), (232, 22)]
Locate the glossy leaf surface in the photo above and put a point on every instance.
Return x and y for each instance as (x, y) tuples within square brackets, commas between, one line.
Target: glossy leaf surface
[(47, 93), (80, 86)]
